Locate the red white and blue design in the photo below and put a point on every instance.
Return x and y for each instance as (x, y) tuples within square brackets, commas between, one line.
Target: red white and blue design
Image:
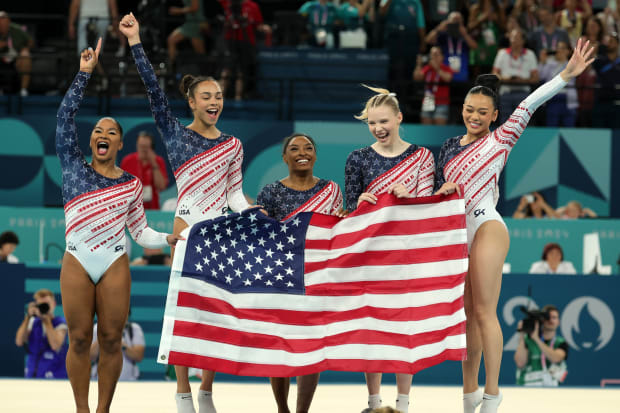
[(380, 290)]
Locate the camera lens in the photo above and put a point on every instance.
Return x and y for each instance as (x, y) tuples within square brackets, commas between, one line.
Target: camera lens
[(43, 308)]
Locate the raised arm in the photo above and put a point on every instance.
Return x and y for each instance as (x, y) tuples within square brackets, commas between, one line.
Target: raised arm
[(67, 146), (234, 183), (168, 125)]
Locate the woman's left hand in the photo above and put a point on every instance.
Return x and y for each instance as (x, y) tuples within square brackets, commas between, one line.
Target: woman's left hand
[(449, 188), (399, 190), (172, 239), (578, 61), (342, 213)]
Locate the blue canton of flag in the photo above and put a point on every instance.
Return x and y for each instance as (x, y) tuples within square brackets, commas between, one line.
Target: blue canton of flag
[(248, 252)]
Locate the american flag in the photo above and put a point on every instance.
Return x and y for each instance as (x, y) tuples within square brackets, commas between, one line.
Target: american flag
[(378, 291)]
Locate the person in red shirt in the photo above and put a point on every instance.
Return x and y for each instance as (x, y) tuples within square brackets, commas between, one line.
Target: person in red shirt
[(436, 75), (149, 168)]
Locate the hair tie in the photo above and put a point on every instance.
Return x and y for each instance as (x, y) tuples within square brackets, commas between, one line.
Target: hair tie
[(392, 94)]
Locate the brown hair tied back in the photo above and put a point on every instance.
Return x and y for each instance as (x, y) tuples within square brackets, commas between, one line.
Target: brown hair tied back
[(189, 82)]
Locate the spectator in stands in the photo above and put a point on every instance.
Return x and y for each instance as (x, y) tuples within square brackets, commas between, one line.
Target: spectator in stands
[(561, 109), (320, 16), (95, 16), (486, 22), (455, 42), (15, 61), (517, 69), (132, 347), (541, 355), (607, 68), (552, 262), (574, 210), (548, 35), (149, 168), (435, 74), (404, 38), (353, 12), (594, 33), (195, 24), (243, 20), (511, 24), (8, 242), (152, 257), (525, 11), (610, 16), (533, 206), (573, 20), (43, 335)]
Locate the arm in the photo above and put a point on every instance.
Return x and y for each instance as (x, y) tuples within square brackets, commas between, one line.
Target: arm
[(113, 13), (521, 353), (384, 7), (431, 37), (264, 199), (362, 9), (137, 225), (135, 350), (471, 42), (353, 181), (67, 146), (234, 183), (418, 73), (21, 336), (55, 335), (160, 176), (520, 212), (445, 75), (338, 202), (556, 355), (177, 11), (73, 12), (426, 175)]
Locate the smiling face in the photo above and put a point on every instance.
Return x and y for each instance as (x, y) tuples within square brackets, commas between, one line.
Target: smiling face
[(383, 124), (106, 140), (478, 114), (300, 155), (207, 102)]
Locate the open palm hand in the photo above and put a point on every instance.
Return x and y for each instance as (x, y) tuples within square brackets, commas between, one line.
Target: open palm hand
[(579, 61)]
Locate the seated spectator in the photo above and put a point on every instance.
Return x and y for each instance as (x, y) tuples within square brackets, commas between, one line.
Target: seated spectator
[(548, 35), (574, 210), (132, 347), (561, 109), (436, 102), (15, 61), (152, 257), (149, 168), (43, 335), (533, 206), (607, 68), (320, 16), (8, 243), (517, 69), (552, 262), (455, 42), (572, 20)]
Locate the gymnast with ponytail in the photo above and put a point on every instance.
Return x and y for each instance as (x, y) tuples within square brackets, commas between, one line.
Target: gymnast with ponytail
[(474, 162)]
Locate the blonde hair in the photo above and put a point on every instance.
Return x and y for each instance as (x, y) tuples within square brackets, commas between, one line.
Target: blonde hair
[(382, 97), (43, 292)]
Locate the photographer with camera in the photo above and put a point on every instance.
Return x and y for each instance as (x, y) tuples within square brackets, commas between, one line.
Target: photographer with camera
[(44, 337), (541, 354)]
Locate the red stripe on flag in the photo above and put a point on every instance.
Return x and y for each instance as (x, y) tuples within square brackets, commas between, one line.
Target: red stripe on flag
[(386, 287), (317, 318), (277, 370)]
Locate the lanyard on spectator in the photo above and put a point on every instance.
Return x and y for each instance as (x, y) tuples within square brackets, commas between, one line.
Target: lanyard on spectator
[(459, 46), (434, 78), (323, 18), (554, 41), (543, 359)]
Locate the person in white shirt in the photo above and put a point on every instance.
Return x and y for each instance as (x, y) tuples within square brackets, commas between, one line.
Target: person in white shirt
[(132, 346), (553, 262)]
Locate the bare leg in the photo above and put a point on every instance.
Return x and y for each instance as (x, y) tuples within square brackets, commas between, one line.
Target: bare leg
[(175, 38), (199, 45), (471, 366), (78, 301), (403, 383), (112, 303), (280, 387), (306, 386), (373, 382), (24, 67), (207, 380), (487, 257)]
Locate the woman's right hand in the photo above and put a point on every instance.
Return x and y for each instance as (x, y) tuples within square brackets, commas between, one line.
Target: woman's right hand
[(449, 188), (130, 28), (89, 58), (368, 197)]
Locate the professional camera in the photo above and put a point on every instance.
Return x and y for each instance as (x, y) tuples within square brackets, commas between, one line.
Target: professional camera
[(532, 317), (43, 308)]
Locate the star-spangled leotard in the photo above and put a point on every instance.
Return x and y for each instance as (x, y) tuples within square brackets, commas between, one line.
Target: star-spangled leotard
[(280, 200), (365, 165), (207, 171), (477, 166), (97, 208)]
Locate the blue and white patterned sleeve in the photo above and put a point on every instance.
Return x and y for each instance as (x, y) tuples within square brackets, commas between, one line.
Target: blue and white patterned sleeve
[(353, 180), (67, 146), (265, 199), (168, 125)]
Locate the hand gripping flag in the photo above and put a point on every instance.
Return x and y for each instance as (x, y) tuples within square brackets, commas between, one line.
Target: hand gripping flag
[(378, 291)]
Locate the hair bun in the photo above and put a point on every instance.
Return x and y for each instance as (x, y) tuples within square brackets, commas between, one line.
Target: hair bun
[(488, 80)]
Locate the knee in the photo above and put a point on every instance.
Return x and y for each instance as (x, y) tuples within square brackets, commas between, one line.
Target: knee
[(80, 340), (109, 341), (482, 314)]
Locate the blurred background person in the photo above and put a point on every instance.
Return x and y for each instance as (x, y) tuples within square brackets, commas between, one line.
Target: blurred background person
[(561, 110), (487, 21), (526, 13), (552, 262), (195, 24), (574, 210), (320, 16), (15, 60), (43, 335), (132, 347), (436, 76), (152, 257), (533, 206), (149, 168), (572, 18), (8, 243), (541, 355), (548, 35), (607, 67)]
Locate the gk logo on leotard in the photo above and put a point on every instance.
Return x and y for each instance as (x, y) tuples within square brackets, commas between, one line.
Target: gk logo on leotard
[(478, 212), (118, 248)]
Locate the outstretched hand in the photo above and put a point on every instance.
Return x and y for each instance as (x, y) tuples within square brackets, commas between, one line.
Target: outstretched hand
[(89, 58), (579, 61), (130, 28)]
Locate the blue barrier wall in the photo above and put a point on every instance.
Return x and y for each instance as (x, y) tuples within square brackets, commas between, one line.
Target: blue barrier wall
[(589, 306)]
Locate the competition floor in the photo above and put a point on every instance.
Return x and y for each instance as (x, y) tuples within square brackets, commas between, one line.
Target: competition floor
[(30, 396)]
